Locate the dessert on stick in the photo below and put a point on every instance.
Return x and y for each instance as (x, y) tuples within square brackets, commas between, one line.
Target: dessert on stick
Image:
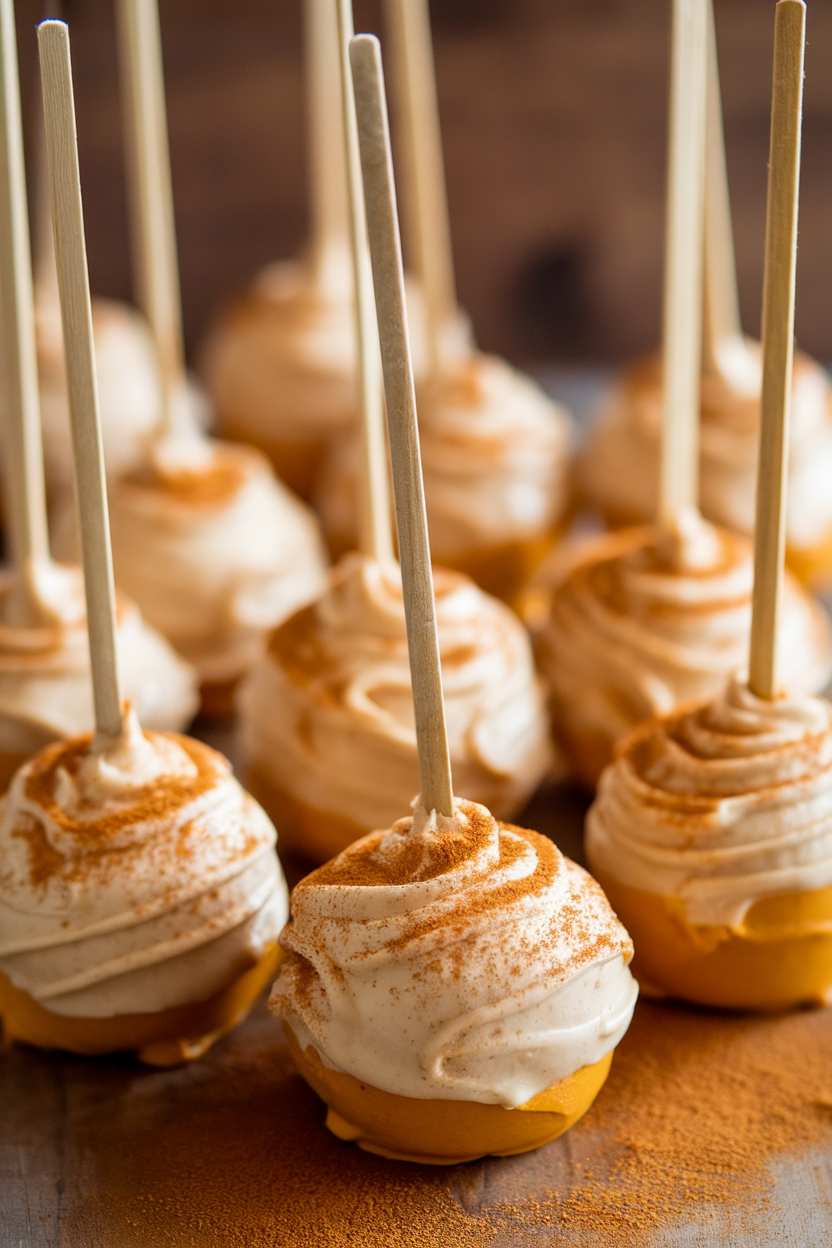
[(655, 616), (281, 362), (45, 691), (712, 830), (140, 897), (326, 714), (214, 548), (619, 470), (453, 986), (494, 447)]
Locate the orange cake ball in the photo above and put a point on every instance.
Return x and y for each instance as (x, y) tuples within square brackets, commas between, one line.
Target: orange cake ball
[(453, 987), (643, 623), (326, 716), (712, 835), (619, 470), (140, 898), (495, 459)]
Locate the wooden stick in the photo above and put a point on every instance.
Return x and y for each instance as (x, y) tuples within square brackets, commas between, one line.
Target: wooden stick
[(683, 266), (374, 500), (722, 305), (153, 229), (426, 201), (76, 317), (328, 179), (778, 342), (24, 466), (414, 551)]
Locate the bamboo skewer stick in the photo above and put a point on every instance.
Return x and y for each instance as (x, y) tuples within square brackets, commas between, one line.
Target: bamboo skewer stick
[(778, 342), (388, 276), (153, 228), (722, 306), (425, 200), (374, 510), (73, 284), (682, 338), (24, 477), (329, 235)]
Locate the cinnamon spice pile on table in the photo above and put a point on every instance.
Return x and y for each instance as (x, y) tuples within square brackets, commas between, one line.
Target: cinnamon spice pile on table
[(234, 1152)]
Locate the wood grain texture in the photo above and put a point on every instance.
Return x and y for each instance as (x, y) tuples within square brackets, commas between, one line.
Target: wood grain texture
[(24, 477), (414, 551), (778, 343), (684, 243), (76, 318), (153, 232), (375, 532)]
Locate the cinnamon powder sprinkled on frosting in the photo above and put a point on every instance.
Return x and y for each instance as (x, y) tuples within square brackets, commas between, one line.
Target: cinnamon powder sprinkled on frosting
[(234, 1153)]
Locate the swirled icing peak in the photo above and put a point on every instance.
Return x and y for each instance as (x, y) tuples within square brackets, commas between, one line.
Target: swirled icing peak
[(455, 958), (136, 875), (720, 804)]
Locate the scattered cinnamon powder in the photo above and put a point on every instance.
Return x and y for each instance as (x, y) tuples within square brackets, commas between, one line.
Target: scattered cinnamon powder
[(234, 1153)]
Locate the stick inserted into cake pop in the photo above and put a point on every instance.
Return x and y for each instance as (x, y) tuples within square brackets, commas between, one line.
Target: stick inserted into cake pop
[(722, 308), (414, 551), (778, 342), (426, 201), (683, 266), (151, 200), (73, 283), (374, 510), (24, 476)]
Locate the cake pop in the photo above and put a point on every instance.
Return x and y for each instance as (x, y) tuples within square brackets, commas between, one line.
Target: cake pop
[(619, 469), (495, 448), (140, 896), (452, 986)]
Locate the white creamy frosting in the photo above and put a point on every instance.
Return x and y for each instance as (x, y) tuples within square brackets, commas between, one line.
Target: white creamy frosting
[(327, 713), (134, 878), (455, 959), (640, 626), (495, 454), (281, 363), (215, 558), (720, 805), (45, 682), (620, 466)]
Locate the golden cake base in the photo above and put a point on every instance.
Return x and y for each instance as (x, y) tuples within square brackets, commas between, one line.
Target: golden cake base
[(315, 834), (781, 958), (586, 753), (443, 1133), (169, 1037), (296, 463)]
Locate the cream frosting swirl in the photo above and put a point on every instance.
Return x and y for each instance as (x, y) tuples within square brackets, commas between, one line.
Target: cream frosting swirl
[(720, 805), (640, 626), (134, 878), (45, 682), (495, 460), (215, 557), (455, 959), (327, 713), (619, 469)]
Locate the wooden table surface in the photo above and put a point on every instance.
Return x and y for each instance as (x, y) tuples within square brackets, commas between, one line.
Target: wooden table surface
[(106, 1154)]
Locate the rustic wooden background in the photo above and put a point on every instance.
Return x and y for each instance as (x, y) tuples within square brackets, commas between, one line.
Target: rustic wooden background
[(554, 126)]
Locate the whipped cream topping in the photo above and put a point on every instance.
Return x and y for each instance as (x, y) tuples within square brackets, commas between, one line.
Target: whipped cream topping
[(720, 804), (494, 459), (281, 363), (215, 557), (129, 386), (135, 877), (455, 959), (45, 680), (327, 713), (641, 625), (620, 467)]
